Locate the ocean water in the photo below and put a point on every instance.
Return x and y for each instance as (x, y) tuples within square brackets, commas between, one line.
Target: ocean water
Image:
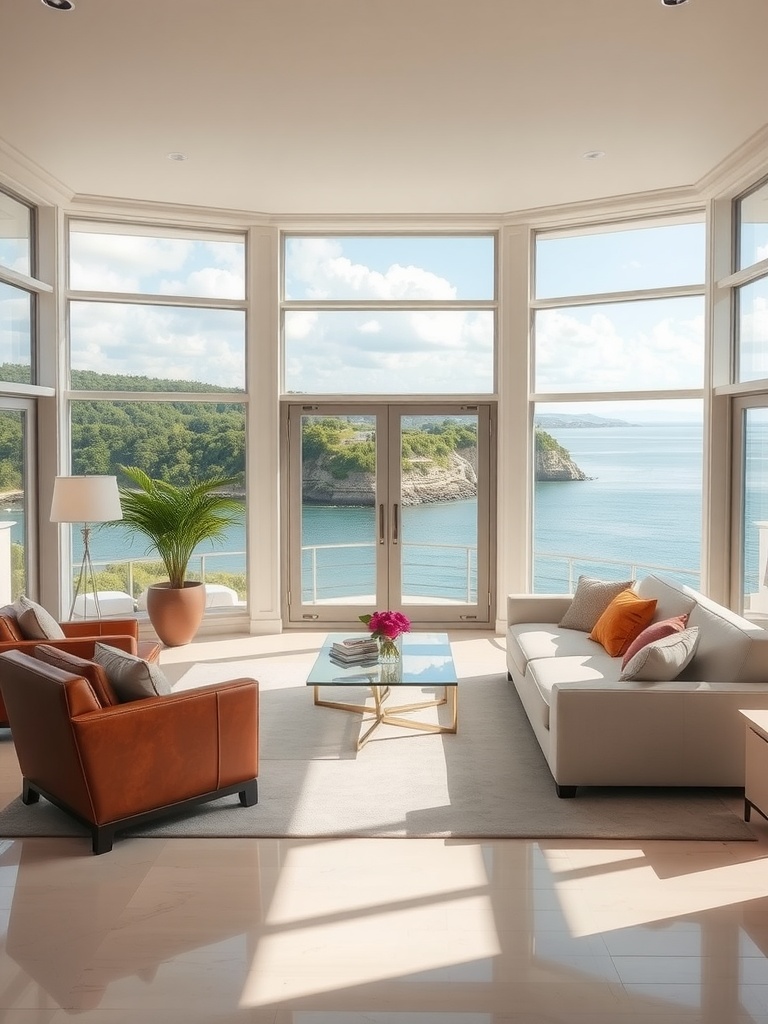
[(640, 508)]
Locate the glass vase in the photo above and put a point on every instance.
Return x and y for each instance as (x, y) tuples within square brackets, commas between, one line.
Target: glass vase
[(389, 650)]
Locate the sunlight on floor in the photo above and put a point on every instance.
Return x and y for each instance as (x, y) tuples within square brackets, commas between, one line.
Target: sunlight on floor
[(429, 916)]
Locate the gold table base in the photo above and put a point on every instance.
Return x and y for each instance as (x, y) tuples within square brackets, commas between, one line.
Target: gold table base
[(391, 716)]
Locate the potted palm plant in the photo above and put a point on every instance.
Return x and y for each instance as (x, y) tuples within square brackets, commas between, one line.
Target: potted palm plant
[(175, 519)]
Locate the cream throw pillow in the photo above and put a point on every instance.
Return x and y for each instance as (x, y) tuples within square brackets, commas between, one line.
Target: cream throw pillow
[(131, 678), (35, 623), (589, 602), (663, 659)]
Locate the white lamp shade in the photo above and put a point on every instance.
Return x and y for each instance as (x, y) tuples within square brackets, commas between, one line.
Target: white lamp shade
[(85, 499)]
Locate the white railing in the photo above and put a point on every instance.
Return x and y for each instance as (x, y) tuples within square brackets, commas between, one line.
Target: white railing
[(320, 579), (316, 589), (577, 565)]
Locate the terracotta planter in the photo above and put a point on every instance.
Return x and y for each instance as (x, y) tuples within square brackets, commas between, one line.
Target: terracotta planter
[(176, 613)]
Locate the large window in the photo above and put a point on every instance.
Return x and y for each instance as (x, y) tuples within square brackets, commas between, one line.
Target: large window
[(159, 313), (749, 288), (18, 291), (618, 374), (752, 292), (381, 314)]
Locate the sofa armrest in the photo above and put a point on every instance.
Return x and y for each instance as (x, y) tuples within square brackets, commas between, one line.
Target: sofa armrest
[(155, 752), (537, 607), (101, 627)]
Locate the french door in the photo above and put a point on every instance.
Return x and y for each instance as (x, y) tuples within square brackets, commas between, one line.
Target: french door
[(388, 506)]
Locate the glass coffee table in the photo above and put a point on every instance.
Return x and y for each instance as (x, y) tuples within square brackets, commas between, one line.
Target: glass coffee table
[(426, 662)]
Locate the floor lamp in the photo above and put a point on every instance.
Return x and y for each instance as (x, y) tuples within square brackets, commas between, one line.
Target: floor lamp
[(86, 500)]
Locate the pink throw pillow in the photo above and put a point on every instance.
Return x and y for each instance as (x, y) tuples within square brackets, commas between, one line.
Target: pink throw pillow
[(656, 631)]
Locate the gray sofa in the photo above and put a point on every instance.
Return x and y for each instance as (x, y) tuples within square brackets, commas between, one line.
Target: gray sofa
[(596, 730)]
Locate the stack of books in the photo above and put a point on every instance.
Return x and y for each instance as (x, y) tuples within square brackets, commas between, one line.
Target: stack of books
[(355, 650)]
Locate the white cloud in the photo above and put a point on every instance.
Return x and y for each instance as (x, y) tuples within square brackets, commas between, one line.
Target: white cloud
[(156, 266), (320, 271), (398, 352), (166, 343), (370, 327), (593, 352)]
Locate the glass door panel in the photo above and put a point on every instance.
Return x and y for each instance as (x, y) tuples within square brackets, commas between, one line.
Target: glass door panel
[(338, 509), (388, 506), (439, 501)]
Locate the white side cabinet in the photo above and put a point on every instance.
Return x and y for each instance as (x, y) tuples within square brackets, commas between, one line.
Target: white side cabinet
[(756, 766)]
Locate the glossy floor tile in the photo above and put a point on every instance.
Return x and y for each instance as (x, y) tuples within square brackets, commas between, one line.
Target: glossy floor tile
[(382, 931)]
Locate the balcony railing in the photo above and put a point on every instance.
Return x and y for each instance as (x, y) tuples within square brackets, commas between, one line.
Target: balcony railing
[(446, 573)]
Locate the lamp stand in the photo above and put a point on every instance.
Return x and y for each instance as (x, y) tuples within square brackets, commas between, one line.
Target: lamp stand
[(86, 574)]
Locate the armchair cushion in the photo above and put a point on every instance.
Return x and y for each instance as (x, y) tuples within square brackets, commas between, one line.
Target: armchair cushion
[(90, 670), (131, 677), (35, 623), (9, 626)]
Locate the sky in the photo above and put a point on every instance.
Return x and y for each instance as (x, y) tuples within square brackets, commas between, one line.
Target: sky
[(607, 346)]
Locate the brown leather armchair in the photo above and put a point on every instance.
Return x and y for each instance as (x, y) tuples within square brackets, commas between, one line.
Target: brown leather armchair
[(80, 637), (115, 766)]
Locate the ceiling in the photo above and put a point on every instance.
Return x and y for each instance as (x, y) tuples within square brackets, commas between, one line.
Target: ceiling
[(370, 107)]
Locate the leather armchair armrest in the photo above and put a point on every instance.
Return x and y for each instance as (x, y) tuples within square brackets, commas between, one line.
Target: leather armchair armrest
[(101, 628), (81, 647), (155, 752)]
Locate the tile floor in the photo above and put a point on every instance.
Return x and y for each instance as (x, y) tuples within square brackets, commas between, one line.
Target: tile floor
[(387, 931)]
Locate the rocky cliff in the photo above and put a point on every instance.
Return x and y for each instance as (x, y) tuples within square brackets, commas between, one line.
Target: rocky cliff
[(423, 480), (552, 464)]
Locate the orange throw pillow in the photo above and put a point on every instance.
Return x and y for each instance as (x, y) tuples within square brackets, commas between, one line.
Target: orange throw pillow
[(624, 619)]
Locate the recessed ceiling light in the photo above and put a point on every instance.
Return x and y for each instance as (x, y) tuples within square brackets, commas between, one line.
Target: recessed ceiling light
[(176, 156), (673, 3), (59, 5), (594, 154)]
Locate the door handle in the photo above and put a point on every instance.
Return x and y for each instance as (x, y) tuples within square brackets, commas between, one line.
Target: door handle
[(395, 524), (381, 524)]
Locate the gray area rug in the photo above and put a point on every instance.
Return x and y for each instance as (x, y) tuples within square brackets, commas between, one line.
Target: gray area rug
[(489, 780)]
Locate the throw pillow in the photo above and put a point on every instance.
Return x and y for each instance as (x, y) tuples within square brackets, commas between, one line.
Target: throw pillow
[(589, 602), (67, 662), (656, 630), (664, 659), (131, 678), (35, 623), (625, 617)]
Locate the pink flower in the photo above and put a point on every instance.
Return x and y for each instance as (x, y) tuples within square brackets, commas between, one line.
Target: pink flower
[(389, 624)]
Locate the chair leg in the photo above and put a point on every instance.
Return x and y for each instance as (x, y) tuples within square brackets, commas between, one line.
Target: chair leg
[(28, 794), (103, 836), (249, 795)]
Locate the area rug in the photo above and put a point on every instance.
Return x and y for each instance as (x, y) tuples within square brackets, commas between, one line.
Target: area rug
[(489, 780)]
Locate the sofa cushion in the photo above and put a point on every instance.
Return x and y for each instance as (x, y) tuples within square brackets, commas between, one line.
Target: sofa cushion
[(672, 598), (89, 670), (35, 623), (589, 602), (656, 630), (664, 659), (731, 649), (581, 668), (131, 678), (531, 640), (625, 617)]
